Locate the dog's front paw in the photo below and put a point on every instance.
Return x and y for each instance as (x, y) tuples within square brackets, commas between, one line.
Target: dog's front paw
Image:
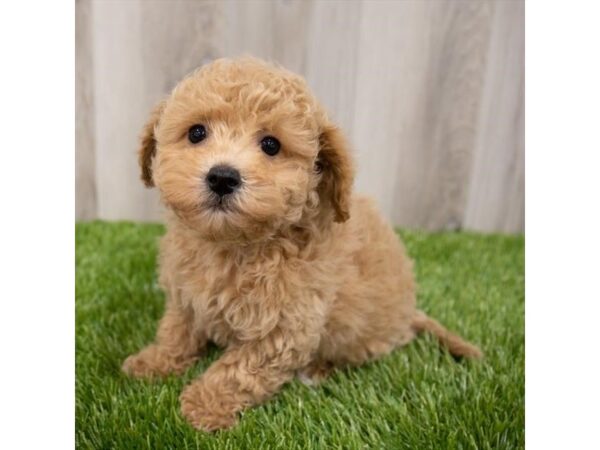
[(154, 361), (203, 414), (146, 363)]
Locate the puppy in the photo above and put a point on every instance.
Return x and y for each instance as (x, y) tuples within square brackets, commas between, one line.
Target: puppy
[(267, 252)]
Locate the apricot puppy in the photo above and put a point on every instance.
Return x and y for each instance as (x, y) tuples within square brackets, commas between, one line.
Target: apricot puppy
[(267, 252)]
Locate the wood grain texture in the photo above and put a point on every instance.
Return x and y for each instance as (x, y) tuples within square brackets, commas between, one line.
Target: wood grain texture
[(122, 105), (421, 91), (496, 199), (85, 161), (430, 93)]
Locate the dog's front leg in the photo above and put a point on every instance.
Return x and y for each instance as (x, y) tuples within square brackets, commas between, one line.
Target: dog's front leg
[(245, 375), (176, 348)]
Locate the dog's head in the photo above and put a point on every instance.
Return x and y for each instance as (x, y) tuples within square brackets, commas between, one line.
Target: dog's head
[(242, 149)]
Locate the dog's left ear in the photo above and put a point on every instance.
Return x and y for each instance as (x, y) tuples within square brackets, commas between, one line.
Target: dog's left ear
[(337, 170), (147, 148)]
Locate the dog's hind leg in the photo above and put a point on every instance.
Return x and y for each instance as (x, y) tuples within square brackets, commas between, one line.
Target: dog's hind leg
[(315, 373)]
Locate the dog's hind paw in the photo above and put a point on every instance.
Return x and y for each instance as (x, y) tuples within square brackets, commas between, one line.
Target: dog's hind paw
[(315, 373)]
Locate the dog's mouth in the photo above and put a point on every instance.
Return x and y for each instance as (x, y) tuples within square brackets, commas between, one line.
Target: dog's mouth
[(219, 204)]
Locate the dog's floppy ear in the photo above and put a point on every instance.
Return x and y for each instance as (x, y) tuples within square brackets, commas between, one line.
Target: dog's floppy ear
[(335, 163), (147, 148)]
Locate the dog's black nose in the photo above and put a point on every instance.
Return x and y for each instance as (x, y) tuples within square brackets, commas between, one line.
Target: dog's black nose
[(223, 180)]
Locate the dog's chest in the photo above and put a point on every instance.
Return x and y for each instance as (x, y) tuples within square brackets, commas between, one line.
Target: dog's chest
[(236, 299)]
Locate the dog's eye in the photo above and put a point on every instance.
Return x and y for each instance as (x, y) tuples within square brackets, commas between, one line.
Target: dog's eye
[(318, 166), (270, 145), (196, 133)]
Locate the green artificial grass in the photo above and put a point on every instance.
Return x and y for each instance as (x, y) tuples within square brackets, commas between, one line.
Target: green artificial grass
[(417, 398)]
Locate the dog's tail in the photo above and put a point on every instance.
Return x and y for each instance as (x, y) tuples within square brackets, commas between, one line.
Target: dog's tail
[(455, 344)]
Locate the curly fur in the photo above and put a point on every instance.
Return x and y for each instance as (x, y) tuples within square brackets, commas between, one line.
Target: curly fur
[(294, 275)]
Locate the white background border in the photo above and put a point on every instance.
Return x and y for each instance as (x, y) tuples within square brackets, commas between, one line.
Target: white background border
[(562, 224), (37, 370)]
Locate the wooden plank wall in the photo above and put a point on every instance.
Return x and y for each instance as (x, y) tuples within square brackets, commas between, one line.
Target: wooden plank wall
[(430, 93)]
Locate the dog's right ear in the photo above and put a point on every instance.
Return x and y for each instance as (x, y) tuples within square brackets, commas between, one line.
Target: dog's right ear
[(148, 144)]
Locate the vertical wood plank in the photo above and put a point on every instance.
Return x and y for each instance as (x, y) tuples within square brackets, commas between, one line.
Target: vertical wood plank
[(331, 59), (85, 167), (248, 28), (121, 109), (274, 30), (496, 199), (384, 84)]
